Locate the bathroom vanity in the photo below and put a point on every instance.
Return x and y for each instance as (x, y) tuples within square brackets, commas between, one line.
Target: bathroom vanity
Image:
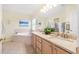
[(46, 44)]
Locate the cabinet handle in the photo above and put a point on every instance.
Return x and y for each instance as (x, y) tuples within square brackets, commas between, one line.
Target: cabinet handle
[(1, 39)]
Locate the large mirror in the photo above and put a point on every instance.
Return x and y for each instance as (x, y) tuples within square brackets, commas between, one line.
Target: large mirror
[(56, 24), (61, 26)]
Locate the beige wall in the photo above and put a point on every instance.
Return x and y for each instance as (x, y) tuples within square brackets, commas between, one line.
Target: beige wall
[(11, 22), (71, 15), (0, 28), (0, 21)]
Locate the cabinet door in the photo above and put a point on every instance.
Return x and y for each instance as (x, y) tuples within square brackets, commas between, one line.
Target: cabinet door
[(34, 42), (54, 49), (0, 47), (38, 43), (38, 51), (60, 51), (46, 47), (32, 39), (77, 50)]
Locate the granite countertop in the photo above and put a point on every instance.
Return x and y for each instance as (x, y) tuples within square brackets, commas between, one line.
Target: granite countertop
[(67, 45)]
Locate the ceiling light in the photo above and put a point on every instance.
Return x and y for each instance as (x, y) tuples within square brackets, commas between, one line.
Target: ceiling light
[(47, 7), (54, 5), (43, 11)]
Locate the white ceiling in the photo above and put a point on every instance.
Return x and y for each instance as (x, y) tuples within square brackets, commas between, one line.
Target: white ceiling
[(28, 9), (32, 9)]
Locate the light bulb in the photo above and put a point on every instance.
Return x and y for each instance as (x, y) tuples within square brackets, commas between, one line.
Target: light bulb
[(54, 5)]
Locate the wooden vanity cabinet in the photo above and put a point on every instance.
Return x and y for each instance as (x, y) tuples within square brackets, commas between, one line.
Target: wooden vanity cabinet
[(42, 46)]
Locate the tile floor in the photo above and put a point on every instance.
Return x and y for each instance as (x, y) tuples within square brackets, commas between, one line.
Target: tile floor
[(18, 45)]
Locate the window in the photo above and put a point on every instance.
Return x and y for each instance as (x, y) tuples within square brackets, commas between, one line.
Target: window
[(24, 23)]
